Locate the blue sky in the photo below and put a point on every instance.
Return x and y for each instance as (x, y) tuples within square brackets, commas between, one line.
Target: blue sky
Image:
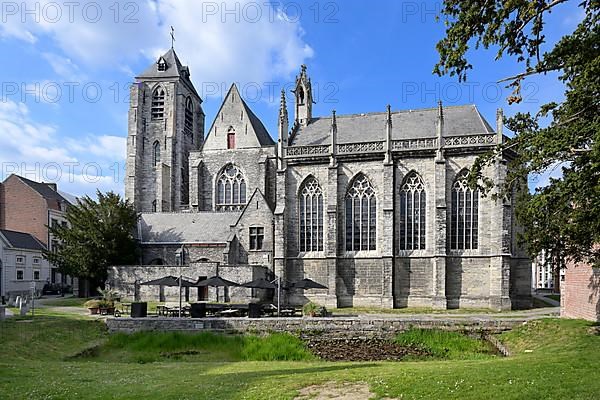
[(67, 68)]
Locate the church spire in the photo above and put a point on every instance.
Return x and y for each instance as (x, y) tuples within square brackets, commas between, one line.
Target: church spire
[(304, 99)]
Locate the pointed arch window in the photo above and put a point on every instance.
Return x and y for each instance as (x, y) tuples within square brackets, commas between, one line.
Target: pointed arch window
[(310, 213), (231, 138), (413, 201), (184, 187), (154, 206), (231, 189), (156, 153), (189, 117), (158, 103), (300, 96), (361, 215), (464, 215)]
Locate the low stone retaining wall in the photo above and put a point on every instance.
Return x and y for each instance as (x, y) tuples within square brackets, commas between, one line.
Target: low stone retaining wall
[(345, 327)]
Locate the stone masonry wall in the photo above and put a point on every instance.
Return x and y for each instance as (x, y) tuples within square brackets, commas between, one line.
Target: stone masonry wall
[(334, 327), (126, 279)]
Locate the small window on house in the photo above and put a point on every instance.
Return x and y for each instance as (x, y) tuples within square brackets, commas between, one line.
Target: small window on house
[(162, 65), (20, 274), (54, 223), (36, 275), (257, 237), (154, 206), (20, 259), (158, 104), (54, 246), (36, 261)]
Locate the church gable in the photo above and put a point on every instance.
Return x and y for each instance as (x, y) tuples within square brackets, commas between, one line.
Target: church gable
[(236, 126), (254, 231)]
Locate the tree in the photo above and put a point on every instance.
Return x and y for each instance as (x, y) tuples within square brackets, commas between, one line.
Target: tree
[(562, 218), (98, 234)]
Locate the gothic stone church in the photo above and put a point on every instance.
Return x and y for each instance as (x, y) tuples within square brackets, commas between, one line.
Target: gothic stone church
[(374, 206)]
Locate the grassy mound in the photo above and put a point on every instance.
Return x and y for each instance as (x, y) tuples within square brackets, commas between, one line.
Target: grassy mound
[(146, 347), (445, 345)]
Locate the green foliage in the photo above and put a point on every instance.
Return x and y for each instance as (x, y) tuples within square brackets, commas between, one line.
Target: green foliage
[(160, 346), (310, 309), (109, 297), (553, 359), (99, 234), (561, 218), (314, 310), (275, 347), (445, 344)]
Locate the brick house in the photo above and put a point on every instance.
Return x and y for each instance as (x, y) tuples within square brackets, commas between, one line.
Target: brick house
[(580, 292), (30, 207)]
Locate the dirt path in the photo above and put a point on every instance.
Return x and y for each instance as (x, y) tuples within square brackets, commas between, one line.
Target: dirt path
[(336, 391)]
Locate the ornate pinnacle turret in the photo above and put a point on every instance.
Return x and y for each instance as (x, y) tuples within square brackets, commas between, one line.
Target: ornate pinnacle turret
[(283, 120), (440, 133), (283, 113), (304, 99), (333, 149), (388, 136)]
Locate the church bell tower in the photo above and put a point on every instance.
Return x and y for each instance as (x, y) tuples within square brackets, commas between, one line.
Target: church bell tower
[(166, 122)]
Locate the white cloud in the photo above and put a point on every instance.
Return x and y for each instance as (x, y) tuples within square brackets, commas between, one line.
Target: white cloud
[(254, 43), (64, 67), (36, 151)]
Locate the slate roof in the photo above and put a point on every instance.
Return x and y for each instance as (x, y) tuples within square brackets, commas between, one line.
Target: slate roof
[(407, 124), (261, 132), (174, 70), (22, 240), (199, 228), (44, 190)]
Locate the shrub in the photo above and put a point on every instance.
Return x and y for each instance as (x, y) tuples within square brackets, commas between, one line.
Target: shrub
[(92, 304)]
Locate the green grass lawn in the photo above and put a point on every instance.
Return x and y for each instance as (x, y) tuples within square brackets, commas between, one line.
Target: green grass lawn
[(553, 359)]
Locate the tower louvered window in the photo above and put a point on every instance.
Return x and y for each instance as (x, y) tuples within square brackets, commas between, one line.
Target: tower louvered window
[(156, 153), (158, 104), (189, 117), (413, 200), (231, 189), (361, 216), (464, 215), (310, 214)]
